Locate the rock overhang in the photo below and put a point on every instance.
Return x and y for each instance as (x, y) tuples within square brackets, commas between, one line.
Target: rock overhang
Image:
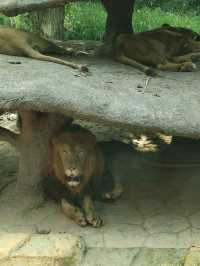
[(112, 94), (15, 7)]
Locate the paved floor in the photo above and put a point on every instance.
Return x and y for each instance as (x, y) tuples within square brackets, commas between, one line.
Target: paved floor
[(156, 221), (159, 209)]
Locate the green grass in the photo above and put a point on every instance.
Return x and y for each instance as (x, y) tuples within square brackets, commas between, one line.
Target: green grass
[(87, 20), (146, 18), (4, 20)]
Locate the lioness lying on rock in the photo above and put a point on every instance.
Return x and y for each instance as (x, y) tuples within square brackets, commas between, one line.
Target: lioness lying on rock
[(165, 48), (75, 160), (22, 43)]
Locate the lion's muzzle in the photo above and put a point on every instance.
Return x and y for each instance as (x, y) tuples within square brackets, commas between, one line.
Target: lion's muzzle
[(72, 181)]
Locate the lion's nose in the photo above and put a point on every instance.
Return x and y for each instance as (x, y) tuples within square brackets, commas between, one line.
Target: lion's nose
[(72, 172)]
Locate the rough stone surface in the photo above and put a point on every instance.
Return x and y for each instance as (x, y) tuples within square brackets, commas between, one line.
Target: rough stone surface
[(162, 240), (195, 220), (159, 257), (111, 257), (111, 95), (45, 250), (15, 7), (11, 242), (166, 224), (123, 235), (193, 257)]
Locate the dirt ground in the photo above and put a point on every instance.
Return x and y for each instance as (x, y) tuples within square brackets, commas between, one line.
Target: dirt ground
[(160, 206)]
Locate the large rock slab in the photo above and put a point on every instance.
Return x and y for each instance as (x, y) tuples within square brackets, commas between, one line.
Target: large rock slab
[(113, 95), (158, 257), (109, 256), (136, 257), (36, 250), (15, 7), (193, 257)]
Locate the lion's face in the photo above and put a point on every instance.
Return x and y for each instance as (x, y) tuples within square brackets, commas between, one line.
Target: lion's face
[(72, 153), (72, 158)]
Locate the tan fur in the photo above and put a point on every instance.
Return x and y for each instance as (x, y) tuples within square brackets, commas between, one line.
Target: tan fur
[(76, 153), (22, 43), (89, 164), (188, 33), (161, 48)]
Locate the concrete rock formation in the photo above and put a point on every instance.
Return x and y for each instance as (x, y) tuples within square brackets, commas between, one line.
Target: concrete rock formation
[(47, 96), (15, 7)]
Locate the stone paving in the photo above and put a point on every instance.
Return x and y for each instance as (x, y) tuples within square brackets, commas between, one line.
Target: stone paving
[(40, 250), (152, 213)]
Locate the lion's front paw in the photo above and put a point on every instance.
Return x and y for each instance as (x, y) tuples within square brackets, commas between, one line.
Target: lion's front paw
[(83, 68), (149, 71), (96, 221), (188, 67), (81, 220), (73, 213)]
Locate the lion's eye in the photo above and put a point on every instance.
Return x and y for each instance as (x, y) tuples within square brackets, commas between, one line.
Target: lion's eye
[(66, 152)]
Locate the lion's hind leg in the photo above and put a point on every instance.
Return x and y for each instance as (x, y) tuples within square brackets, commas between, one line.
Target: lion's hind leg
[(131, 62), (115, 188), (73, 212), (115, 193), (30, 52), (182, 67), (191, 57)]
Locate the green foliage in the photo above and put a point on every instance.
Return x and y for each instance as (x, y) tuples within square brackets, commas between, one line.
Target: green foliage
[(147, 18), (22, 22), (87, 20), (5, 21), (183, 6)]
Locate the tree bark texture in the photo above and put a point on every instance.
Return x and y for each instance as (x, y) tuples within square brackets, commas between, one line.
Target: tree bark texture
[(119, 19), (49, 22), (9, 136), (33, 144)]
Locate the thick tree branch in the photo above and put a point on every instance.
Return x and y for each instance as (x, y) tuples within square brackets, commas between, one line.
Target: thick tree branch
[(15, 7), (9, 136)]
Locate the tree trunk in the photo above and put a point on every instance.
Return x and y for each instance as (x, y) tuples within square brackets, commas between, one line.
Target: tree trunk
[(119, 18), (33, 145), (13, 22), (49, 23)]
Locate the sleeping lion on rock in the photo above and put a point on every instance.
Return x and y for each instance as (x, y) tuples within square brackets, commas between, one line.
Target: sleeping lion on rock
[(23, 43), (75, 160), (165, 48)]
